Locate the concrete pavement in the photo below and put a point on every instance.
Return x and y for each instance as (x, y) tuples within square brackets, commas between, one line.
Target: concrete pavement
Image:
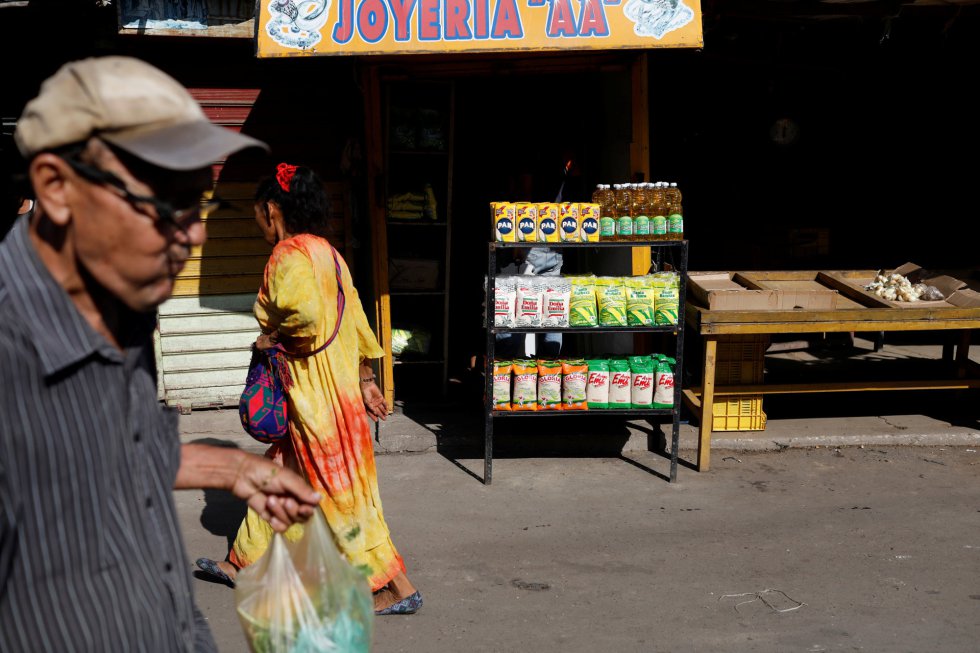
[(882, 544), (580, 545)]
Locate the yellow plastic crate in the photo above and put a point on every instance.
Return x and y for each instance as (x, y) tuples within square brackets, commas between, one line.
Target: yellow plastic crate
[(741, 359), (738, 413), (738, 372)]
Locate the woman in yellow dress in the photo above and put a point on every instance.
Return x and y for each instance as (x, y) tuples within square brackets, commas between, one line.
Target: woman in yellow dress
[(333, 391)]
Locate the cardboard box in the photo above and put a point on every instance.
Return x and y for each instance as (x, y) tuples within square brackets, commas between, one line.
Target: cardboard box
[(718, 291), (956, 291), (723, 291)]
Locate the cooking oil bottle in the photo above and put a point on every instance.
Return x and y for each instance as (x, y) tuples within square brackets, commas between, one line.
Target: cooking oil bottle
[(624, 212), (658, 212), (641, 212), (603, 196), (675, 220)]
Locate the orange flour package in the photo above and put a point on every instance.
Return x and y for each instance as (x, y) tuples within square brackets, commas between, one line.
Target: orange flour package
[(525, 394), (501, 385), (574, 385), (549, 385)]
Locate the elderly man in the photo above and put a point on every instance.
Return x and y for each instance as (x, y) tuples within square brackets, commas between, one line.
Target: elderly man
[(91, 557)]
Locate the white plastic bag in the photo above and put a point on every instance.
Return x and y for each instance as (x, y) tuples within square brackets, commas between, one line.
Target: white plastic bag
[(303, 597), (556, 301), (504, 301), (530, 294)]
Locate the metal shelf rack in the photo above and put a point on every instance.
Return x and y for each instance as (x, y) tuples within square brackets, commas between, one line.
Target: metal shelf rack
[(658, 248)]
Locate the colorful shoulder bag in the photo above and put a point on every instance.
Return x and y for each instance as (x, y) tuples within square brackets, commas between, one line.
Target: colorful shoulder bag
[(262, 407)]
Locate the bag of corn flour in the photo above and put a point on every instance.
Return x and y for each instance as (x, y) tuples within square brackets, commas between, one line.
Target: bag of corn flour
[(501, 384), (525, 393), (504, 301), (641, 391), (549, 385), (574, 384), (620, 381), (663, 394), (597, 392)]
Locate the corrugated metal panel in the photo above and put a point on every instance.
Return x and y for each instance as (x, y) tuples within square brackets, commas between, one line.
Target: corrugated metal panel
[(204, 348)]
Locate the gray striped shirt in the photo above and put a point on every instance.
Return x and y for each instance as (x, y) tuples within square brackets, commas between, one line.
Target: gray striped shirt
[(91, 557)]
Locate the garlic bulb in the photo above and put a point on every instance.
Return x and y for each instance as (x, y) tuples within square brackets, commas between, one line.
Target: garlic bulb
[(895, 287)]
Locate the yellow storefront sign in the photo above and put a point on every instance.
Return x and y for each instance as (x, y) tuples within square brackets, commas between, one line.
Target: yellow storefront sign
[(356, 27)]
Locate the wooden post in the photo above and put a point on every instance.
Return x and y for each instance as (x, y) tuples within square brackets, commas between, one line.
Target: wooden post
[(379, 232), (640, 144), (963, 354), (707, 403)]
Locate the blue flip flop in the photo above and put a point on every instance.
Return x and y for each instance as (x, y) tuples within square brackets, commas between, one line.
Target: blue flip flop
[(408, 605), (209, 566)]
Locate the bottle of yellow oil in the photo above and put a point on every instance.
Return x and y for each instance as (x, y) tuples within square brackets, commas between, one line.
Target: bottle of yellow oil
[(658, 212), (675, 219), (641, 211), (624, 212), (603, 196)]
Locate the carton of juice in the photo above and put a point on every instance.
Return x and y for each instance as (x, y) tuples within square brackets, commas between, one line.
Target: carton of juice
[(527, 222), (588, 218), (568, 221), (548, 223), (503, 222)]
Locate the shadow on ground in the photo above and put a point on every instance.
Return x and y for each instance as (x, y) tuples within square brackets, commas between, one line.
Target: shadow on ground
[(459, 432), (458, 425), (223, 512)]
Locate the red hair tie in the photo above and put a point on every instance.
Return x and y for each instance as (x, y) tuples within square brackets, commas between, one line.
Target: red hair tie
[(284, 175)]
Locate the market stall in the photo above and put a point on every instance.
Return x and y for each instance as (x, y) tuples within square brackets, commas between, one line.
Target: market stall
[(432, 148), (733, 306)]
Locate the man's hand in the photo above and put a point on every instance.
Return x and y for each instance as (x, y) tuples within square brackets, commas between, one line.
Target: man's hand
[(278, 494)]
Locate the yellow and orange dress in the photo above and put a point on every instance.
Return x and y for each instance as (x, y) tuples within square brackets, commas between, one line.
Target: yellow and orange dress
[(330, 439)]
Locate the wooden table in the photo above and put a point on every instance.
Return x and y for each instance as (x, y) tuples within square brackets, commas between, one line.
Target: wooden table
[(851, 315)]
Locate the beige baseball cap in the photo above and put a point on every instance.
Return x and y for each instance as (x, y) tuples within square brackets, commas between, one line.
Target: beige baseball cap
[(130, 104)]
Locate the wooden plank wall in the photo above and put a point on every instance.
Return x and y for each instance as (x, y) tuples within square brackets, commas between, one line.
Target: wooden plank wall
[(205, 348)]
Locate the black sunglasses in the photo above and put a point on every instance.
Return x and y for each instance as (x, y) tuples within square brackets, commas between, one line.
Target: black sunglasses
[(178, 218)]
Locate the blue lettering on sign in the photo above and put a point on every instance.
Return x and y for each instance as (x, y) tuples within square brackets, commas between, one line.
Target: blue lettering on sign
[(526, 226), (590, 225), (548, 226), (569, 225), (505, 226)]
